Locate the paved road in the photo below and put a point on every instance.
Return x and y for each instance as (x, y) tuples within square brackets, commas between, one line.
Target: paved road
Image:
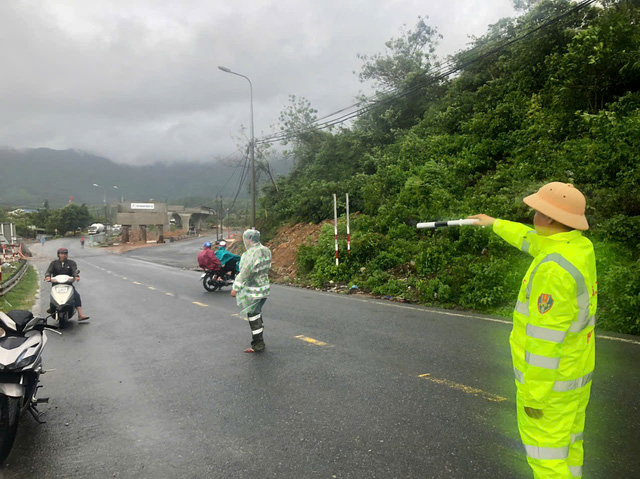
[(157, 386)]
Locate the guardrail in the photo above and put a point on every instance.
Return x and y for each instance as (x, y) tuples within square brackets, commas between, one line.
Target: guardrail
[(9, 284)]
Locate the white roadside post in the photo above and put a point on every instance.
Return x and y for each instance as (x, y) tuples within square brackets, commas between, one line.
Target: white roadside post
[(348, 231), (335, 216)]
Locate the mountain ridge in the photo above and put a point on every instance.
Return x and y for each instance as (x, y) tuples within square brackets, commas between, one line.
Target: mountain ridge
[(30, 176)]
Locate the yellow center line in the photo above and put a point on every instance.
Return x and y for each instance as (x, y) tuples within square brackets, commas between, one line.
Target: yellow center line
[(124, 277), (135, 282), (311, 340), (151, 288), (201, 304), (169, 294), (463, 388)]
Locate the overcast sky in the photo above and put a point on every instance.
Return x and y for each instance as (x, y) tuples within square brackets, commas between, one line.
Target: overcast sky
[(137, 80)]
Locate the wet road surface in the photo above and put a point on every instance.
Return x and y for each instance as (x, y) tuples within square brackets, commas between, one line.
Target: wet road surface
[(156, 385)]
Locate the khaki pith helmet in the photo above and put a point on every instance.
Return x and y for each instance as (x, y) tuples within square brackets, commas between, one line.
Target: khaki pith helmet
[(561, 202)]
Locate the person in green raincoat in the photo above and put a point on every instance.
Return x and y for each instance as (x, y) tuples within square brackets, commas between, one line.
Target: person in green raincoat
[(251, 286), (553, 339)]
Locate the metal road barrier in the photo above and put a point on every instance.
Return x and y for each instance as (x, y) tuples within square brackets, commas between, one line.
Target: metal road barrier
[(15, 279)]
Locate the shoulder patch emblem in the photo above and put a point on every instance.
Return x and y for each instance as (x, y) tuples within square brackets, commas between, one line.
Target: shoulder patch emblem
[(545, 303)]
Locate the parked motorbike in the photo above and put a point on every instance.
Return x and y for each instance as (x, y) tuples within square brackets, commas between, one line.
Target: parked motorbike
[(214, 280), (62, 305), (22, 340)]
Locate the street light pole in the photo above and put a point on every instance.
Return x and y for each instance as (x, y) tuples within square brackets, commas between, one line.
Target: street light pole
[(104, 201), (251, 148), (121, 194)]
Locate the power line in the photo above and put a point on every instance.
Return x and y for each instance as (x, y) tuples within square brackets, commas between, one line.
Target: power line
[(243, 177), (392, 95), (234, 170)]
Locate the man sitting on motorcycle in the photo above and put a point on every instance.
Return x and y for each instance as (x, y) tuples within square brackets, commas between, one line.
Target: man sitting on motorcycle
[(63, 265), (207, 259), (229, 260)]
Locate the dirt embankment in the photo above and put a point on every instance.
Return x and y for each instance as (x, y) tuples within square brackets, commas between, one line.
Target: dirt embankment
[(284, 249)]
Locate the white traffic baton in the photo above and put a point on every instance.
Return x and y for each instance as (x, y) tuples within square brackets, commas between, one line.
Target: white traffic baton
[(440, 224)]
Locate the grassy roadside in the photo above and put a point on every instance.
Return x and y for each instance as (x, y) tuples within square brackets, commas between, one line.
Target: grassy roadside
[(23, 295)]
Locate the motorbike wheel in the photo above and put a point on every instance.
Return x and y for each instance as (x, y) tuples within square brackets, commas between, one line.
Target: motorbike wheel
[(62, 320), (208, 284), (9, 414)]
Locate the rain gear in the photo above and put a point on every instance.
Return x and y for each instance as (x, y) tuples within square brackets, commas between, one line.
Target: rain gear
[(229, 261), (224, 255), (553, 346), (208, 260), (252, 284)]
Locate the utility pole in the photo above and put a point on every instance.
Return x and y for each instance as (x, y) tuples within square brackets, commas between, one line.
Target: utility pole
[(220, 215), (252, 146)]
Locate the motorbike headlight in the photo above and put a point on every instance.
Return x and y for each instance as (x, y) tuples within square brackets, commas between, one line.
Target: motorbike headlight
[(27, 356)]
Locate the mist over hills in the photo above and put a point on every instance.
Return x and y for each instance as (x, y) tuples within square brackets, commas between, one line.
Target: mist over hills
[(29, 176)]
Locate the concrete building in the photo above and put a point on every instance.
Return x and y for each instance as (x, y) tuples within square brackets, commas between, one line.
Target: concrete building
[(140, 215)]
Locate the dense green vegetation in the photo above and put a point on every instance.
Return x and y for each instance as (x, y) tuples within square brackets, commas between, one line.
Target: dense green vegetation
[(561, 104)]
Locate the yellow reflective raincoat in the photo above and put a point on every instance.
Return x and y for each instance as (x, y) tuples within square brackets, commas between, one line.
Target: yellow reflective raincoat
[(553, 345)]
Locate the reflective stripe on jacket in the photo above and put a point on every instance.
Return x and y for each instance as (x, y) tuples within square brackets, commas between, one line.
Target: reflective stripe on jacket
[(552, 341)]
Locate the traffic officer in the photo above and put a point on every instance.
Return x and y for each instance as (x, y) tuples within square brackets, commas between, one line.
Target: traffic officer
[(553, 340)]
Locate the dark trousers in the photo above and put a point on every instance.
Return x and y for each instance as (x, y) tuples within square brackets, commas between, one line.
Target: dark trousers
[(254, 315), (76, 298), (231, 266)]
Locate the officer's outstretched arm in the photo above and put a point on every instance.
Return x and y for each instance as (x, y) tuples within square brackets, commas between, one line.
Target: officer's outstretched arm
[(552, 307), (516, 234)]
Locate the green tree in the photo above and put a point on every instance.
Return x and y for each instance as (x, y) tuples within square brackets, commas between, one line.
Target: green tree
[(405, 78), (69, 218), (410, 55)]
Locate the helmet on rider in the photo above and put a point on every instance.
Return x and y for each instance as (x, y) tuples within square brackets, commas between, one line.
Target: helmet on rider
[(207, 244), (222, 244), (62, 251)]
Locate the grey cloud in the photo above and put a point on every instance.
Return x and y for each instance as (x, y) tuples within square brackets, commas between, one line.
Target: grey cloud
[(138, 81)]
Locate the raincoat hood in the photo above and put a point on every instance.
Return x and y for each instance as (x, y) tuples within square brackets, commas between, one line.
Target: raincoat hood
[(251, 238)]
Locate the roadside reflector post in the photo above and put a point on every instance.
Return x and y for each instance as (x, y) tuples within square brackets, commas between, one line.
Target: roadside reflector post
[(348, 231), (335, 216)]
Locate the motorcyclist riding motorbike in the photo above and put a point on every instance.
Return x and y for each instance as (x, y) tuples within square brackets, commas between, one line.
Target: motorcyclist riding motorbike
[(63, 265), (228, 260), (208, 261)]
